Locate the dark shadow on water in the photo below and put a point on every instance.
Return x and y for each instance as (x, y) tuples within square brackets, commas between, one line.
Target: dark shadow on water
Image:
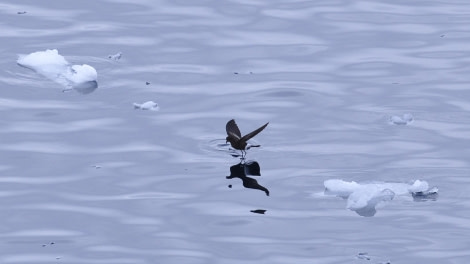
[(429, 195), (242, 169), (86, 87)]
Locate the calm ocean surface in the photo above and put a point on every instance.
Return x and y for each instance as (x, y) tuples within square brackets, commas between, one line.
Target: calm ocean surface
[(86, 178)]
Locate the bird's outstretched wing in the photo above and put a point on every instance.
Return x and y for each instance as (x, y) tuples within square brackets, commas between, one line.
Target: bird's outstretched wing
[(233, 130), (253, 133)]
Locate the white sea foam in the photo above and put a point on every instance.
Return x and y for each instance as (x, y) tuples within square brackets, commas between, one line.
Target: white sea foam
[(364, 197), (55, 67)]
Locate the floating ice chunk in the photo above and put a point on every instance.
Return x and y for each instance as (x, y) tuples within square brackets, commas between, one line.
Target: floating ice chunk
[(150, 105), (340, 187), (116, 56), (53, 66), (363, 198), (401, 120), (368, 197)]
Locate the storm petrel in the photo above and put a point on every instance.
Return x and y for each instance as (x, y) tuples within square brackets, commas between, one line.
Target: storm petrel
[(235, 138)]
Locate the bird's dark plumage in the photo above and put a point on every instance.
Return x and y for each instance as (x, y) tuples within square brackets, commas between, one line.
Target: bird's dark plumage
[(235, 138)]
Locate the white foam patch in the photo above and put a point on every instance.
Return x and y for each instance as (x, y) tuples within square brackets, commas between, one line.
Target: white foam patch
[(364, 197), (55, 67)]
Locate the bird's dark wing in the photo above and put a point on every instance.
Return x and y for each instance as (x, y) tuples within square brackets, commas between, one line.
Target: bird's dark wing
[(253, 133), (232, 129)]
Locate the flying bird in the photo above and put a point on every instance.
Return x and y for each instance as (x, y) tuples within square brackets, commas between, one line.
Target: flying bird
[(235, 138)]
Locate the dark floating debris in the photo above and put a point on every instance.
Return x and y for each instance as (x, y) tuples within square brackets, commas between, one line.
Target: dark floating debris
[(147, 83), (258, 211), (21, 12), (230, 186), (443, 35)]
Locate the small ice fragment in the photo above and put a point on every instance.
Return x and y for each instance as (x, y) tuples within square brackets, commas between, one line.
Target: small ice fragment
[(116, 56), (150, 105), (340, 188), (419, 186), (401, 120), (363, 198)]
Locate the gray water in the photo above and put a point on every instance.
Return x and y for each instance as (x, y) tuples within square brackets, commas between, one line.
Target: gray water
[(85, 178)]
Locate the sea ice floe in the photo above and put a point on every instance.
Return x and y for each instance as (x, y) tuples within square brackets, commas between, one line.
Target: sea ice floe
[(401, 120), (53, 66), (149, 105), (364, 197)]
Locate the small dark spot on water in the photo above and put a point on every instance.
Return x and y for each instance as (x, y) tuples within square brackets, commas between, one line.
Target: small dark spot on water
[(147, 83), (258, 211), (443, 35), (21, 12), (230, 186), (235, 73)]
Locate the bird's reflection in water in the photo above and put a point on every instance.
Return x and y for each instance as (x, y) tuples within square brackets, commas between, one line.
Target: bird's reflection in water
[(242, 169)]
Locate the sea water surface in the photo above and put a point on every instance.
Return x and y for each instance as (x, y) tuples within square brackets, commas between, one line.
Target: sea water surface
[(89, 178)]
